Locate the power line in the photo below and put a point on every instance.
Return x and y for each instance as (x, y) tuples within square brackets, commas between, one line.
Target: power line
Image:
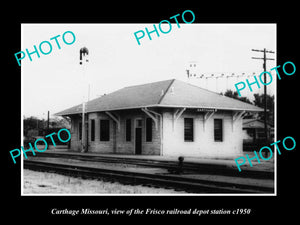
[(227, 76), (191, 73), (217, 75)]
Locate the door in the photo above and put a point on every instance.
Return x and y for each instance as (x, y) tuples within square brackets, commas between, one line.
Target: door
[(138, 140)]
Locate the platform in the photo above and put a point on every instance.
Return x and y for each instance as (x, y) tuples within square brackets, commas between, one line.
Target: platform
[(268, 166)]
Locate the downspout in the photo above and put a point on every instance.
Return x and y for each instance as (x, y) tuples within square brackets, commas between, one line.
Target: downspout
[(160, 128)]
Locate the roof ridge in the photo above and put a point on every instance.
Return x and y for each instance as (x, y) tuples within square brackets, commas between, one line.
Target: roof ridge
[(205, 89), (216, 93), (161, 98), (146, 83)]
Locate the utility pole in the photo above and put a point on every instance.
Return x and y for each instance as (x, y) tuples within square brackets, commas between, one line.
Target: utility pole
[(82, 53), (265, 87), (48, 122)]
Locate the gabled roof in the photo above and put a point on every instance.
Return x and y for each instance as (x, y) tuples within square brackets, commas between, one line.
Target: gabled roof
[(167, 93)]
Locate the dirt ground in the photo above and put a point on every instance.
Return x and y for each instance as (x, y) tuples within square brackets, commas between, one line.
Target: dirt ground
[(51, 183)]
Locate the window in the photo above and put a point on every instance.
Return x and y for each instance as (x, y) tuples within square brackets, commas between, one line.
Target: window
[(138, 123), (80, 130), (128, 130), (148, 129), (188, 129), (218, 129), (92, 130), (104, 130)]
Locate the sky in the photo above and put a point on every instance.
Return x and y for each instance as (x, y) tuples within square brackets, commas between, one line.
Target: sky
[(56, 81)]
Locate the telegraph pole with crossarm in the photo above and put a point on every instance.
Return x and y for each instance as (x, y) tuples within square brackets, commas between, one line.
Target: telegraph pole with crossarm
[(265, 86)]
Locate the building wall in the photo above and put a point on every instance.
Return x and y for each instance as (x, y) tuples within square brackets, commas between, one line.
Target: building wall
[(75, 142), (97, 145), (204, 144), (117, 143), (173, 143)]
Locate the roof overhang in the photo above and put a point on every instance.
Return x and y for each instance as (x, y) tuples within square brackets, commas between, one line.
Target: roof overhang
[(167, 106)]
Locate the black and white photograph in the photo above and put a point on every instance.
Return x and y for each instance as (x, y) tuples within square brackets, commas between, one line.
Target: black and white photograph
[(179, 114), (136, 112)]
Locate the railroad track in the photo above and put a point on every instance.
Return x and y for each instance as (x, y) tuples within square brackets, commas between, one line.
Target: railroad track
[(213, 169), (176, 182)]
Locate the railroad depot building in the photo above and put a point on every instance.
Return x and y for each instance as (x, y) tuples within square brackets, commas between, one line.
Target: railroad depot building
[(169, 118)]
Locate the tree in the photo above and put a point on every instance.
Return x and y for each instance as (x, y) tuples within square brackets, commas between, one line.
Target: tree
[(231, 94), (259, 101), (57, 122), (40, 125), (33, 123)]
